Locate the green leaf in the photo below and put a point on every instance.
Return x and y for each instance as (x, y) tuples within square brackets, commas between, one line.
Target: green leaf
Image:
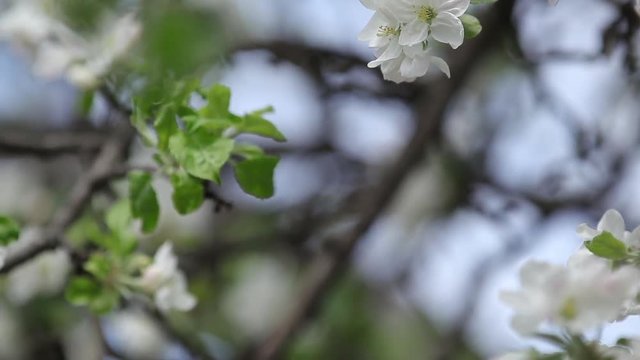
[(9, 230), (166, 126), (201, 154), (119, 216), (482, 2), (107, 300), (607, 246), (254, 123), (144, 202), (248, 151), (82, 290), (87, 228), (139, 121), (218, 101), (214, 126), (85, 102), (471, 26), (182, 92), (188, 192), (99, 266), (255, 176)]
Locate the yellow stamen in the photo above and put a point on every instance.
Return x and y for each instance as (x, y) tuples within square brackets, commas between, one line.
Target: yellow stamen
[(426, 13), (388, 31)]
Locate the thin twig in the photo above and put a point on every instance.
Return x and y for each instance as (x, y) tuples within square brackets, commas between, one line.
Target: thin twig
[(49, 143), (98, 175), (114, 102)]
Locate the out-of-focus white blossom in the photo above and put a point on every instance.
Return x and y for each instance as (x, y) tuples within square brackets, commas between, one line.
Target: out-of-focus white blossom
[(260, 298), (13, 339), (57, 51), (584, 294), (167, 282), (44, 275), (135, 335), (612, 222), (116, 40)]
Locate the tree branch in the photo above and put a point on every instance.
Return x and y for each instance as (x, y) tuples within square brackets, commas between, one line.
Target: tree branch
[(105, 167), (328, 267), (48, 143)]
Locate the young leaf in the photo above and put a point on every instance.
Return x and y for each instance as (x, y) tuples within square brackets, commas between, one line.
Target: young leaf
[(119, 216), (99, 266), (107, 300), (9, 230), (82, 290), (248, 151), (144, 202), (200, 154), (254, 123), (255, 176), (218, 100), (607, 246), (139, 121), (85, 102), (188, 192), (471, 26), (166, 126)]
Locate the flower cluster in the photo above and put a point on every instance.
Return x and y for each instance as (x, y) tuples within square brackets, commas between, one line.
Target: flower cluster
[(57, 51), (167, 282), (600, 284), (401, 32)]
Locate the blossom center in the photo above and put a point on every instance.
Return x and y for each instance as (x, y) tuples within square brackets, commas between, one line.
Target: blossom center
[(569, 310), (426, 13), (388, 31)]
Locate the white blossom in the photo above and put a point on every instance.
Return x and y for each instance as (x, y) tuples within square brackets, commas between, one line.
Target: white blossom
[(582, 295), (44, 275), (436, 18), (611, 222), (113, 44), (397, 62), (56, 51), (167, 282), (412, 63)]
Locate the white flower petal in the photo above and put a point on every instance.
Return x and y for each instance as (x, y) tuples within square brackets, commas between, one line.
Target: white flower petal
[(612, 222), (414, 33), (455, 7), (392, 51), (447, 29), (441, 65), (370, 31), (369, 4), (414, 67), (586, 232)]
